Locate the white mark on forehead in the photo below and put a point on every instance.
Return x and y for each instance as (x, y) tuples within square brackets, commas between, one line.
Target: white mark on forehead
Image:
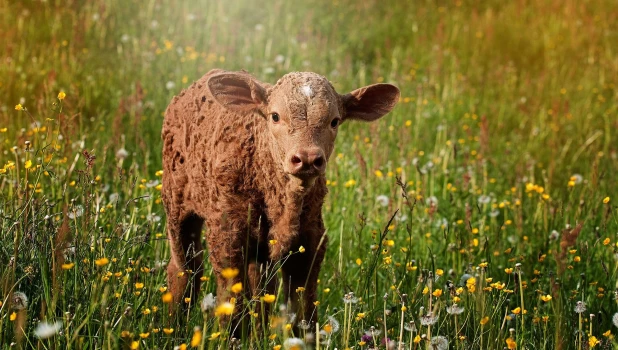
[(307, 91)]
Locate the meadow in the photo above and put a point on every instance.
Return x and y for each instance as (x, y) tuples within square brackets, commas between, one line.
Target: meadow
[(480, 214)]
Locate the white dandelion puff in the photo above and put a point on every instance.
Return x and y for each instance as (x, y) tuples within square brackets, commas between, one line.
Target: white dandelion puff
[(46, 330), (382, 200), (439, 343), (208, 302)]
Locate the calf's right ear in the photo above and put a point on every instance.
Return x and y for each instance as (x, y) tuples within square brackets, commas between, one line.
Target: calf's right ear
[(237, 91)]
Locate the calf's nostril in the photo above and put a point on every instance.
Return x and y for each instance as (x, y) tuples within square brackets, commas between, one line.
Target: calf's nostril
[(296, 160), (318, 162)]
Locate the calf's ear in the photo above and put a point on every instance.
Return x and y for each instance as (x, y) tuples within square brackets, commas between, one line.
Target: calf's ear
[(370, 102), (237, 91)]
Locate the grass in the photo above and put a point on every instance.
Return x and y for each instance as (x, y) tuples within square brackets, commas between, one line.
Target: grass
[(491, 186)]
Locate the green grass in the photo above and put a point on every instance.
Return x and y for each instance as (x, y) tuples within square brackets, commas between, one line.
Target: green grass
[(502, 104)]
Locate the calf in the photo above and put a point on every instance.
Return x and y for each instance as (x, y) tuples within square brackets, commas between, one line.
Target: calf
[(248, 159)]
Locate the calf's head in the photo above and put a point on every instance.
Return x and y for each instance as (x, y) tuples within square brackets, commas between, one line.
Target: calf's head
[(303, 113)]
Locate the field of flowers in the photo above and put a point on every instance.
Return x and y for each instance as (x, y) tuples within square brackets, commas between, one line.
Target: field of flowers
[(480, 214)]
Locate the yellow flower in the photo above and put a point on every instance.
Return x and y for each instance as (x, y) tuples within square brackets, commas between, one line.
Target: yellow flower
[(328, 328), (139, 285), (425, 290), (19, 107), (277, 347), (61, 95), (272, 242), (358, 261), (196, 339), (101, 262), (546, 298), (577, 259), (606, 241), (593, 341), (608, 333), (484, 320), (162, 289), (268, 298), (13, 316), (471, 284), (510, 343), (605, 200), (167, 298), (516, 310), (236, 288), (224, 309), (417, 339), (182, 346), (437, 293), (378, 174), (168, 330), (508, 270), (187, 300), (68, 266), (214, 336), (301, 249), (229, 273), (134, 344), (439, 272), (144, 335)]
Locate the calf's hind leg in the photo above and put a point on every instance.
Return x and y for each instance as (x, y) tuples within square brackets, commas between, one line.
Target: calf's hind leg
[(186, 262)]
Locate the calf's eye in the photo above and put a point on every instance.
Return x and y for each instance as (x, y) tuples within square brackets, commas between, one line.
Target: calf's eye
[(335, 122), (275, 117)]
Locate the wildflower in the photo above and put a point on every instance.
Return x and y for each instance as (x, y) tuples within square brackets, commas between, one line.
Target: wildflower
[(593, 341), (214, 336), (606, 241), (19, 301), (272, 242), (510, 343), (28, 164), (122, 154), (417, 339), (229, 273), (134, 345), (605, 200), (68, 266), (236, 288), (516, 310), (454, 309), (358, 261), (350, 298), (101, 262), (226, 309), (144, 335), (439, 343), (437, 293), (382, 200), (301, 249), (168, 330), (19, 107), (167, 298), (410, 326), (484, 320), (139, 285), (46, 330), (580, 307), (546, 298), (61, 95), (378, 174), (332, 325), (268, 298), (428, 319), (471, 284), (294, 344), (615, 319)]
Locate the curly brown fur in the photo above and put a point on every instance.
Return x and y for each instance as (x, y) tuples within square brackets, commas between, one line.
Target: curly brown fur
[(253, 177)]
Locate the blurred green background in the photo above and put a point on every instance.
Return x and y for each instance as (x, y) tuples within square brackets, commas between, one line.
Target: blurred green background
[(506, 131)]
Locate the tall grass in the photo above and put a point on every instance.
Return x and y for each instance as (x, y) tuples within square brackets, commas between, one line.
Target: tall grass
[(480, 213)]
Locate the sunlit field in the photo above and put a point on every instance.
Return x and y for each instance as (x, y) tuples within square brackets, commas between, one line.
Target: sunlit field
[(480, 214)]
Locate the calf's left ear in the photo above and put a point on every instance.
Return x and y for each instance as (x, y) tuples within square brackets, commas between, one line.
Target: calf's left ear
[(370, 102)]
